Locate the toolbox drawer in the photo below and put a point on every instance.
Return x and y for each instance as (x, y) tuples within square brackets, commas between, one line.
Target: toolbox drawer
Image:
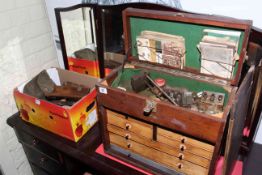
[(185, 144), (37, 144), (130, 124), (185, 140), (185, 147), (43, 161), (168, 160), (181, 155)]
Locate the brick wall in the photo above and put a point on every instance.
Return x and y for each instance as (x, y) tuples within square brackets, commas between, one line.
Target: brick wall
[(26, 47)]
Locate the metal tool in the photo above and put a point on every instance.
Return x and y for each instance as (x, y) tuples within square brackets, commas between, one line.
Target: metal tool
[(160, 89)]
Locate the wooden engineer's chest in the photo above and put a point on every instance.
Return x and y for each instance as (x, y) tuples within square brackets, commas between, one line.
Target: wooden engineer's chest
[(177, 105)]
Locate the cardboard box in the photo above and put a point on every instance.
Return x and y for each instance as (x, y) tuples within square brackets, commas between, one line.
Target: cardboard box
[(69, 122), (84, 66)]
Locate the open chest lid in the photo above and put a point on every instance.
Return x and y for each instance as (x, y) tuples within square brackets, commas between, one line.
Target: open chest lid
[(205, 45)]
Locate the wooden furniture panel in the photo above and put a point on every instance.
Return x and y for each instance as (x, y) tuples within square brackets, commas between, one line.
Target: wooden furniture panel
[(254, 110), (158, 156), (130, 124), (237, 122)]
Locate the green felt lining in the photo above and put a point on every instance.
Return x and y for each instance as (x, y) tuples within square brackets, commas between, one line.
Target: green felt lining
[(192, 33), (123, 80)]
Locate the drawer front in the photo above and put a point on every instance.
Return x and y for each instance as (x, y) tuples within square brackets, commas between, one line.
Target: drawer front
[(38, 171), (129, 124), (185, 144), (37, 144), (181, 155), (168, 160), (43, 161), (185, 140)]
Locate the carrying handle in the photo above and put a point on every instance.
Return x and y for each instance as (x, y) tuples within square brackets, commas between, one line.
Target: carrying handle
[(128, 126)]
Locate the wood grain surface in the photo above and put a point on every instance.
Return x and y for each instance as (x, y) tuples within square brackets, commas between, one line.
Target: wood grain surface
[(158, 156)]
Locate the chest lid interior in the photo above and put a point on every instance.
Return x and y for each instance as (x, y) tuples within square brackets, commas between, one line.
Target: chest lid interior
[(206, 45)]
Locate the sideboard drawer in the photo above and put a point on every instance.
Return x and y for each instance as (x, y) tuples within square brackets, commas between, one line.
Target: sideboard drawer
[(43, 161), (38, 171), (37, 144)]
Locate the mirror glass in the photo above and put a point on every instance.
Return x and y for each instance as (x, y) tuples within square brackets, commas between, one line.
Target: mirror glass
[(80, 40)]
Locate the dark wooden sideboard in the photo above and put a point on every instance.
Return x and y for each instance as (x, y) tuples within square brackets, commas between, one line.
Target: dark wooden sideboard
[(49, 154)]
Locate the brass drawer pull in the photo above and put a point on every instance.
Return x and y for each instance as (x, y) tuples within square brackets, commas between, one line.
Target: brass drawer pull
[(129, 145), (183, 140), (128, 126), (42, 160), (179, 165), (182, 147), (181, 156), (127, 136), (34, 142)]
